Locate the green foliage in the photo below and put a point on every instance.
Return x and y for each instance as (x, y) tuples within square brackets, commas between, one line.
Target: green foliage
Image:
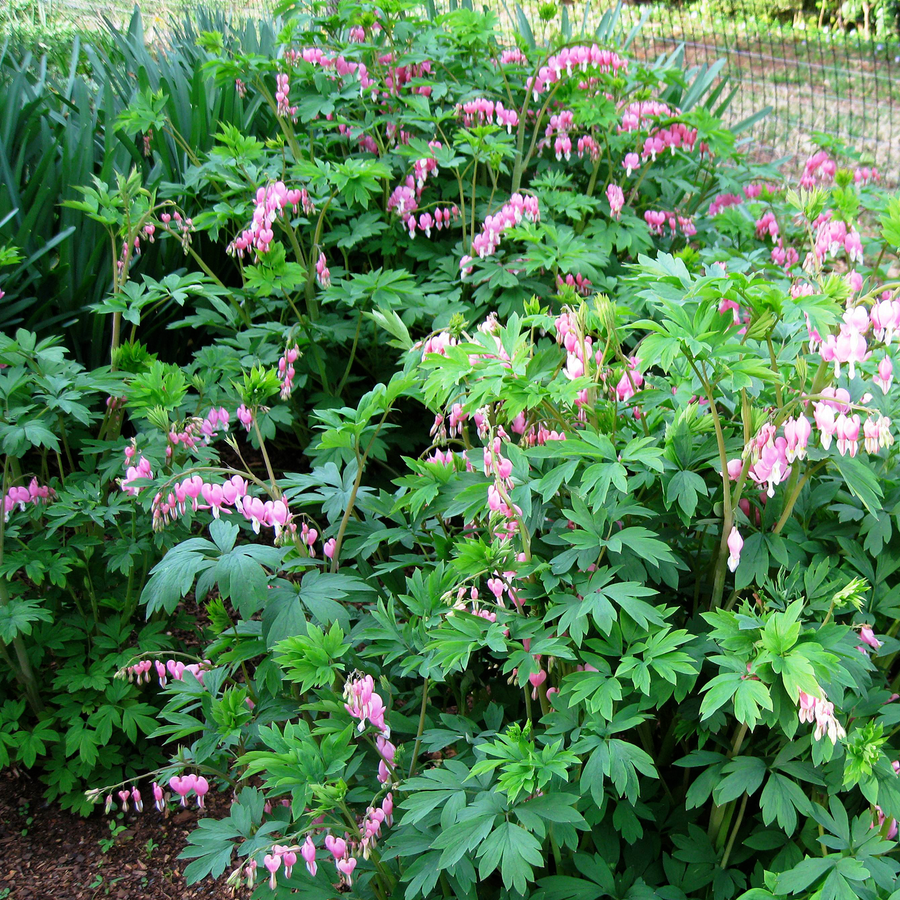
[(515, 567)]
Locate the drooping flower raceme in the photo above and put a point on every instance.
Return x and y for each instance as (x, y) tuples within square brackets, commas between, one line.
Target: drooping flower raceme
[(33, 494), (512, 212), (271, 202), (820, 711), (361, 701)]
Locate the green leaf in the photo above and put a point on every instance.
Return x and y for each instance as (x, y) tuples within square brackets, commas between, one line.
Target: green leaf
[(17, 616), (211, 847), (743, 775), (804, 874), (719, 691), (860, 480), (685, 488), (782, 799), (173, 576), (138, 716), (748, 698), (473, 825), (890, 222), (516, 852)]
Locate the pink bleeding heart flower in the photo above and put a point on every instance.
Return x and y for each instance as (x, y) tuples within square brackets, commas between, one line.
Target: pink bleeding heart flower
[(201, 786), (178, 786), (308, 852), (735, 545), (337, 846), (272, 862), (867, 636), (346, 867)]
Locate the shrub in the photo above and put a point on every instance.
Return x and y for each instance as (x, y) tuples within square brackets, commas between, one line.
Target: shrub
[(626, 626)]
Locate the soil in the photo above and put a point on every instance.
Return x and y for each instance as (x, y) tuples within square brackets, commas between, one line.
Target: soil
[(49, 854)]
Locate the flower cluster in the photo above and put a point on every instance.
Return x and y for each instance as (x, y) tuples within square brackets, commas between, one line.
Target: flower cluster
[(398, 77), (767, 225), (21, 496), (335, 64), (833, 236), (427, 165), (133, 473), (675, 137), (735, 545), (482, 111), (513, 57), (364, 704), (342, 849), (282, 96), (404, 201), (196, 430), (365, 141), (631, 381), (245, 416), (578, 283), (559, 127), (863, 175), (578, 58), (616, 198), (438, 343), (199, 494), (323, 273), (387, 751), (785, 256), (180, 785), (640, 114), (184, 784), (657, 221), (271, 201), (476, 609), (512, 212), (182, 227), (286, 370), (588, 146), (723, 201), (172, 668), (272, 861), (820, 711), (498, 499), (820, 168)]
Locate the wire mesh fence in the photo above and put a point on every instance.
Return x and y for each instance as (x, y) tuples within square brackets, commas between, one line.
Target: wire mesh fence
[(822, 85)]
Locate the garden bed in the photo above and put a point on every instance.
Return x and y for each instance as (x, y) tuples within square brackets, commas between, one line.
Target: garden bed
[(49, 854)]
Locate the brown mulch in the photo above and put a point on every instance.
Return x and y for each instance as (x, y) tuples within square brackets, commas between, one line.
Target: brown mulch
[(49, 854)]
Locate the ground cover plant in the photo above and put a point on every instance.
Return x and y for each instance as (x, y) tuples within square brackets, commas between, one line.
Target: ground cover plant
[(532, 476)]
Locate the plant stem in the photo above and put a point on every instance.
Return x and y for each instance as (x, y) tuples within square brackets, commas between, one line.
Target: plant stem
[(265, 456), (728, 512), (361, 463), (718, 812), (415, 755), (343, 380), (734, 831), (794, 496)]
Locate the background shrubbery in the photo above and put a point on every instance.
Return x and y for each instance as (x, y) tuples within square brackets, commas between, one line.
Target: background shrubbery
[(493, 483)]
